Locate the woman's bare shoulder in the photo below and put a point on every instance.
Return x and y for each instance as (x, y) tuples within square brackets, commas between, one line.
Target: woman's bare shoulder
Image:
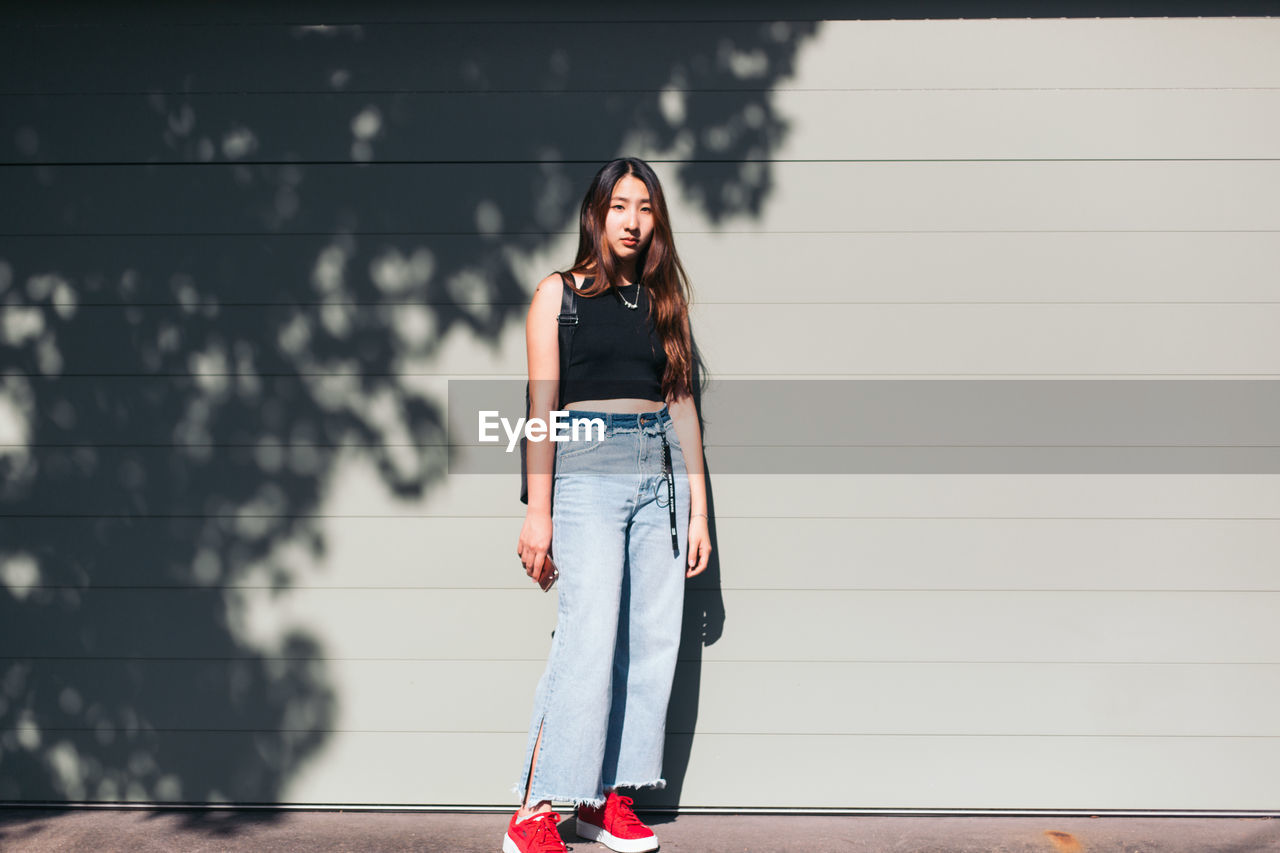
[(548, 289), (546, 299)]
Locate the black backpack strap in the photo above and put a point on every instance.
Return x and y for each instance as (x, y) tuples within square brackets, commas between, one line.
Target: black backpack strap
[(568, 321), (568, 302)]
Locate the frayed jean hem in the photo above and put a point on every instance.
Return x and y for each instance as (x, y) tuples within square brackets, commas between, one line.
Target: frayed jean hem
[(658, 783), (534, 799)]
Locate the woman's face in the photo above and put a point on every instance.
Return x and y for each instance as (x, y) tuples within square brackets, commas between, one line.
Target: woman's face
[(629, 223)]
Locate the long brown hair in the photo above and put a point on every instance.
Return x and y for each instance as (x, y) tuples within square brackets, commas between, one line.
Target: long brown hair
[(661, 272)]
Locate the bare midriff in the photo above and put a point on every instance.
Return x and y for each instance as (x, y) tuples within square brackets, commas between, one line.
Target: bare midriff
[(624, 405)]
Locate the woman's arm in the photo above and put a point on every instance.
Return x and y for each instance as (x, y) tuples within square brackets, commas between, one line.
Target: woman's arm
[(543, 346), (684, 416)]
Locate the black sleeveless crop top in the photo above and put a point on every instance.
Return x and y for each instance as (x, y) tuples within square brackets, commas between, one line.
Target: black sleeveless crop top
[(616, 351)]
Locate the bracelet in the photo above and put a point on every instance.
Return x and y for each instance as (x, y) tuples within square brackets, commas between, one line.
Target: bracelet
[(696, 514)]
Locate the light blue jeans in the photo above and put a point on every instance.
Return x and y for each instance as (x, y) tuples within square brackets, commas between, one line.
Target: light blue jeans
[(602, 699)]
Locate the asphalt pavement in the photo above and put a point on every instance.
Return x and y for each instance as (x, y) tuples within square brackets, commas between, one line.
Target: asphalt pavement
[(27, 830)]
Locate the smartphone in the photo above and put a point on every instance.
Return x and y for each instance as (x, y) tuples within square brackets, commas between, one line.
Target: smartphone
[(549, 573)]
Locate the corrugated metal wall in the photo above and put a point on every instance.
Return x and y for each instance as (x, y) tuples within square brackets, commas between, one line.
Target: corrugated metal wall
[(242, 257)]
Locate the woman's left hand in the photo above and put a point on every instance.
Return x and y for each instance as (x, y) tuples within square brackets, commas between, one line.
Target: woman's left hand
[(699, 548)]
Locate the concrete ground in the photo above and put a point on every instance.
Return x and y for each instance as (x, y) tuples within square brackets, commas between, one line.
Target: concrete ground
[(145, 831)]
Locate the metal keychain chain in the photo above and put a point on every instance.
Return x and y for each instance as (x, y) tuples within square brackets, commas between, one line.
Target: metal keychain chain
[(668, 473)]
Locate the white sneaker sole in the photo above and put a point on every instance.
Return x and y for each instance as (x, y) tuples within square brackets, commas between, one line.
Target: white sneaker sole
[(591, 832)]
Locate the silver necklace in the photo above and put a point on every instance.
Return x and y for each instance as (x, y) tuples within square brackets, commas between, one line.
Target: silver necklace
[(630, 305)]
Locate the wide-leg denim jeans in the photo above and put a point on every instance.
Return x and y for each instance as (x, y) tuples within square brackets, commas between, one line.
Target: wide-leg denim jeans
[(602, 700)]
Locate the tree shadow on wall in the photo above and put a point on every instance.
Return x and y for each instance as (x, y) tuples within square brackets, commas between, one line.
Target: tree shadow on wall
[(215, 288)]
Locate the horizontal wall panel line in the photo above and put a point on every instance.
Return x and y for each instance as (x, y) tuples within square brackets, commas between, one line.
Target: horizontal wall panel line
[(547, 15), (488, 808), (520, 515), (296, 587), (724, 232), (706, 445), (333, 23), (364, 164), (626, 91), (727, 232), (683, 658), (503, 303), (454, 373), (827, 591), (337, 20), (698, 733)]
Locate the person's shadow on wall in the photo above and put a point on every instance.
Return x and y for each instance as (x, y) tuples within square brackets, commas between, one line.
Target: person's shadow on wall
[(702, 626), (221, 283)]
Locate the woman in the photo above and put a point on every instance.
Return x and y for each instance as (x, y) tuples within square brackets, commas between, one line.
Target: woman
[(620, 551)]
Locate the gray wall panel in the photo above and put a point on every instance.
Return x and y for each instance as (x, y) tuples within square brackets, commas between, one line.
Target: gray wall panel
[(728, 267), (1016, 195), (840, 340), (540, 55), (837, 698), (759, 553), (831, 124), (862, 625), (875, 772), (839, 496)]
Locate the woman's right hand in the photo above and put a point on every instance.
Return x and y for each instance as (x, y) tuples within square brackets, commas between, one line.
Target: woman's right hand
[(535, 543)]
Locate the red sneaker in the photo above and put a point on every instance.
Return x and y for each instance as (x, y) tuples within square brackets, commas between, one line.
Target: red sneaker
[(615, 826), (536, 834)]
